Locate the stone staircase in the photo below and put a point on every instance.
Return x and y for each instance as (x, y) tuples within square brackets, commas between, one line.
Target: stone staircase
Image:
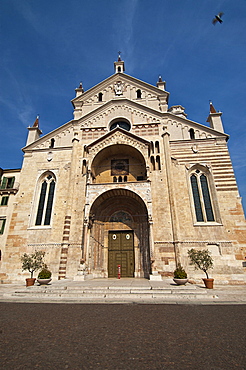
[(120, 293)]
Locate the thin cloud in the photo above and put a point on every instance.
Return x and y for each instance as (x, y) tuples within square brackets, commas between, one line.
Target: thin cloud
[(124, 32)]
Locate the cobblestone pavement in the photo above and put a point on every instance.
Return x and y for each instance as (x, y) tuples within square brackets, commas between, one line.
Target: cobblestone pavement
[(121, 336)]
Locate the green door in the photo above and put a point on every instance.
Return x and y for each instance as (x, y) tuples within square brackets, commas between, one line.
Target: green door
[(121, 252)]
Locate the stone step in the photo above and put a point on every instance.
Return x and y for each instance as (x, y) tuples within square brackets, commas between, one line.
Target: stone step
[(126, 296), (113, 293), (107, 291)]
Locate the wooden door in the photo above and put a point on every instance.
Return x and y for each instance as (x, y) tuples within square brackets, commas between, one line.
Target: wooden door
[(121, 252)]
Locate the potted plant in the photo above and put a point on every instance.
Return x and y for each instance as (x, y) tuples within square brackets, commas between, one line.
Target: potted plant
[(44, 277), (180, 276), (32, 262), (202, 260)]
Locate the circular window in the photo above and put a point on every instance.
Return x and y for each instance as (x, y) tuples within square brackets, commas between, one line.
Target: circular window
[(123, 124)]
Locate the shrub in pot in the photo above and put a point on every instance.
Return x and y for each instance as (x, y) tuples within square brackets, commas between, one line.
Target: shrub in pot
[(180, 276), (202, 260), (32, 262), (44, 277)]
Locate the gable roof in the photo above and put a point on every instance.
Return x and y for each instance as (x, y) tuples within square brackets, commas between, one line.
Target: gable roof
[(114, 78)]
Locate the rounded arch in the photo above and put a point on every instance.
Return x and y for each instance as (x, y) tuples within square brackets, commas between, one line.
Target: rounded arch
[(120, 211), (117, 162), (192, 133), (120, 122), (112, 200)]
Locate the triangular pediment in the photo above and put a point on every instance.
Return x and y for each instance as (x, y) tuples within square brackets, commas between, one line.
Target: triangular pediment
[(119, 86), (100, 118), (126, 80), (66, 132), (149, 109), (118, 136)]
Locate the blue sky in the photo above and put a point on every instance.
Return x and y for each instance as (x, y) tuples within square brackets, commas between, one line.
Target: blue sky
[(48, 46)]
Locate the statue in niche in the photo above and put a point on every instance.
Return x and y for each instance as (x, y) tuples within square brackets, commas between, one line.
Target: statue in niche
[(118, 87)]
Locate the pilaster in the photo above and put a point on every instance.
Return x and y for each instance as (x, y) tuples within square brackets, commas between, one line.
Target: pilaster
[(68, 214), (171, 194)]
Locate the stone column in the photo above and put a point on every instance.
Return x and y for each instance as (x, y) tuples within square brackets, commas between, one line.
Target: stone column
[(151, 239), (172, 201), (85, 239)]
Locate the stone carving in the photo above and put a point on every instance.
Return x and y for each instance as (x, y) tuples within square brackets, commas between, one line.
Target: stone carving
[(83, 268), (194, 149), (118, 138), (118, 88), (49, 156)]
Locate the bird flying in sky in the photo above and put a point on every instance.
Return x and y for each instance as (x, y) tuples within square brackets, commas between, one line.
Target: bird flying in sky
[(217, 18)]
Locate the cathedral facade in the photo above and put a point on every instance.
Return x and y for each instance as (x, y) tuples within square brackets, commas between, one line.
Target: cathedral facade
[(128, 181)]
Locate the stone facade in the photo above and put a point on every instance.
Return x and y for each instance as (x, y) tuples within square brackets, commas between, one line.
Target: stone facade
[(128, 181)]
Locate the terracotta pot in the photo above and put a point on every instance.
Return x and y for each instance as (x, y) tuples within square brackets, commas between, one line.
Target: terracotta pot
[(209, 283), (180, 281), (30, 281)]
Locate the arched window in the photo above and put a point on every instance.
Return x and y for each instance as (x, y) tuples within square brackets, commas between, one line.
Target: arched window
[(46, 198), (152, 161), (206, 198), (192, 133), (119, 179), (100, 96), (125, 178), (119, 69), (84, 167), (158, 162), (201, 197), (139, 94), (52, 143), (119, 123), (151, 147), (114, 179)]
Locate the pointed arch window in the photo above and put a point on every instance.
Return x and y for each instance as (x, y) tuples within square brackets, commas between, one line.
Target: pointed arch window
[(201, 197), (46, 197)]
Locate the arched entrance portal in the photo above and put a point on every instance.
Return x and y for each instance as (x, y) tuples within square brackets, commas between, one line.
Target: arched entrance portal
[(119, 235)]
